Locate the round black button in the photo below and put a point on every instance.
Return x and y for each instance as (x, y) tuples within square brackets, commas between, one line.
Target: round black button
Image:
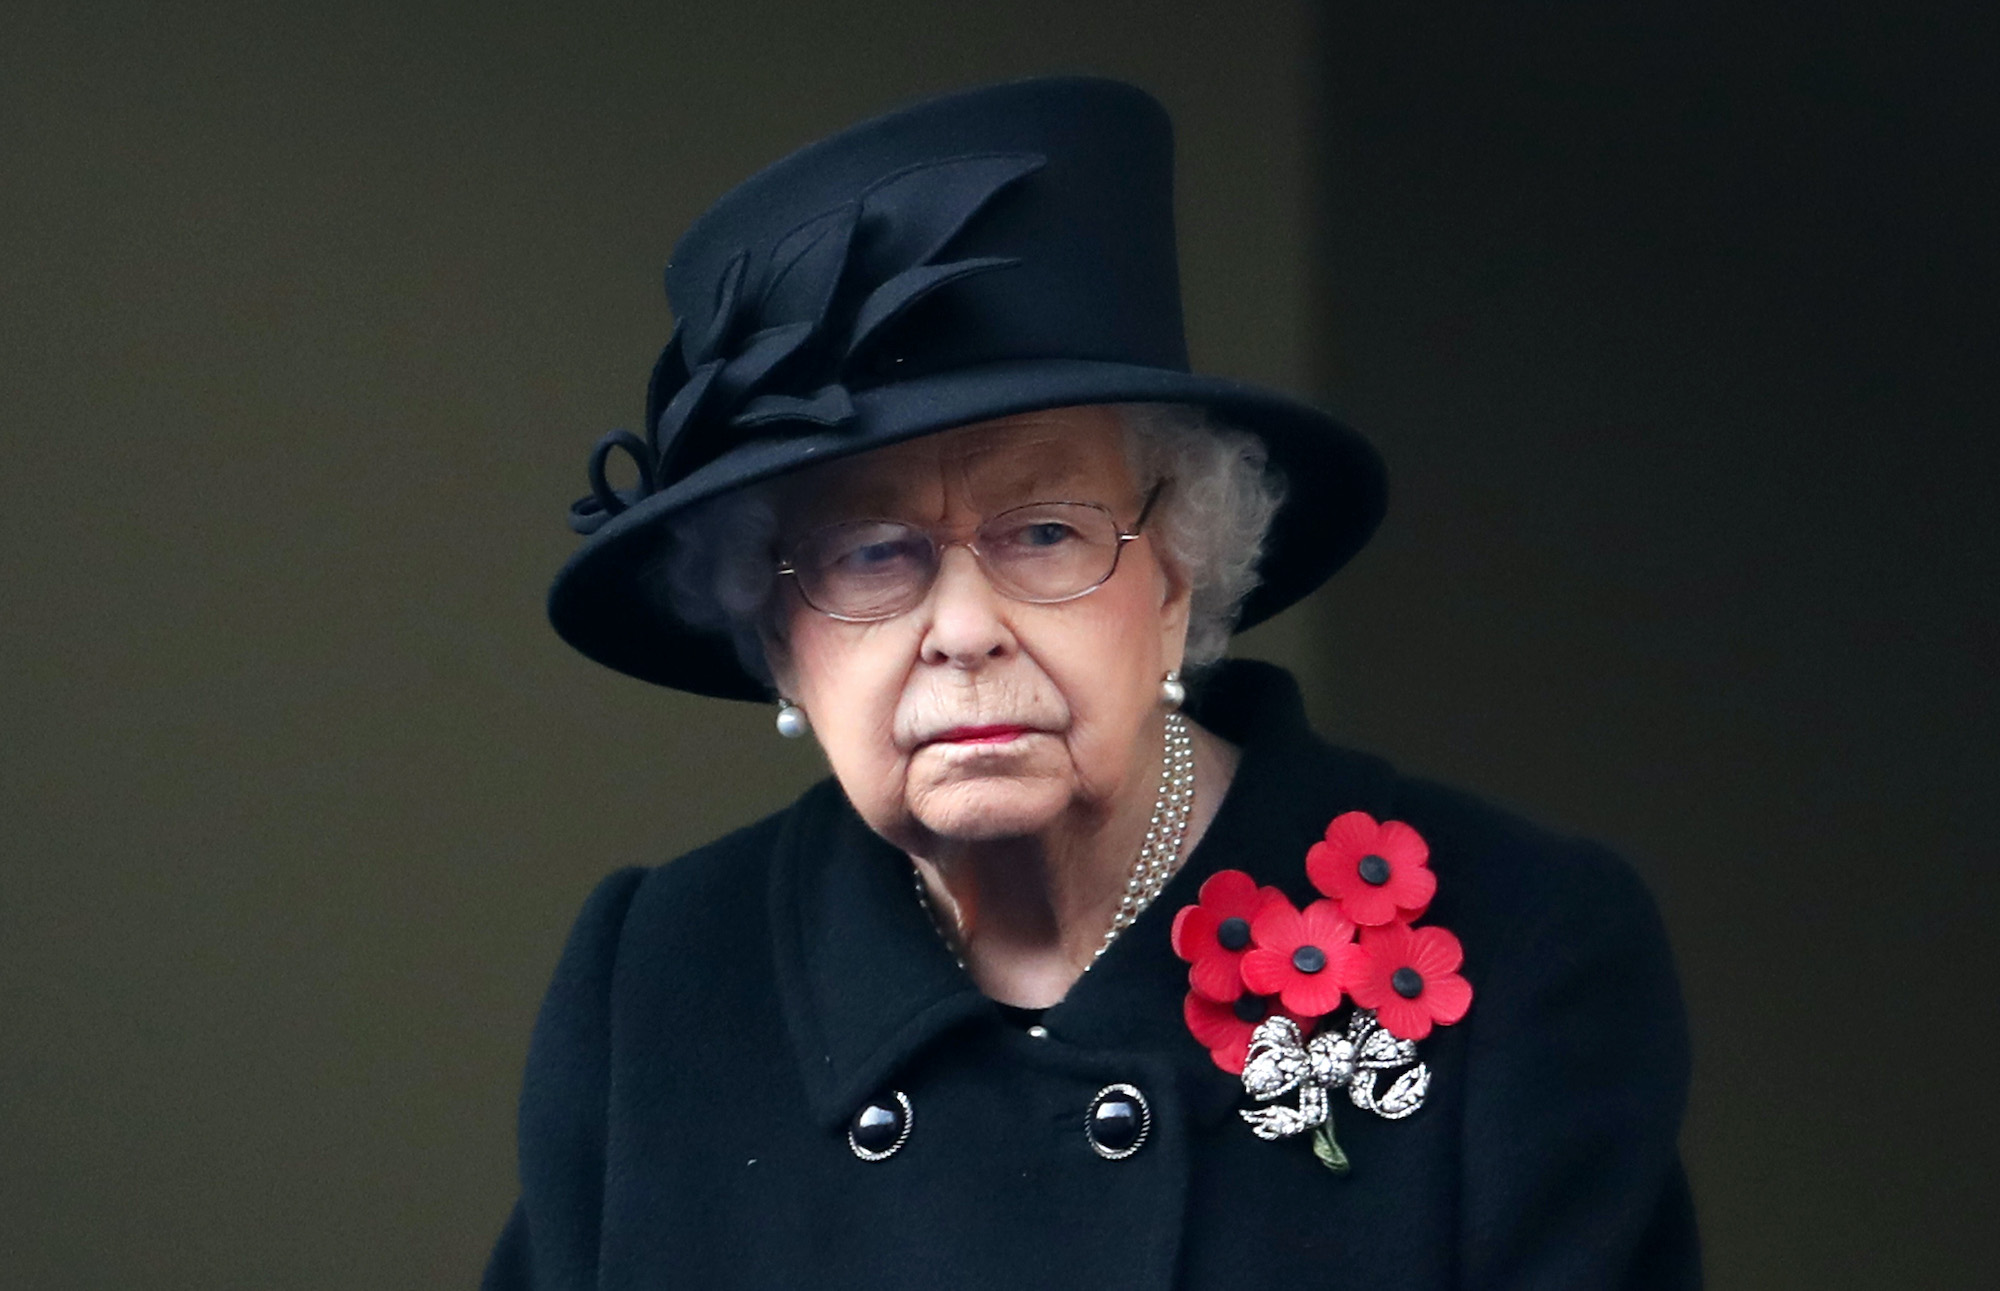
[(1309, 959), (1407, 982), (1117, 1122), (1233, 933), (880, 1127), (1250, 1008), (1373, 870)]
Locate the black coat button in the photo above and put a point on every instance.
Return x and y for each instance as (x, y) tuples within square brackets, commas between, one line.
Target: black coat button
[(1117, 1122), (880, 1127)]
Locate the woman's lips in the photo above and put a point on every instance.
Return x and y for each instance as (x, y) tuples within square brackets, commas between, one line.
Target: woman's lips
[(998, 734)]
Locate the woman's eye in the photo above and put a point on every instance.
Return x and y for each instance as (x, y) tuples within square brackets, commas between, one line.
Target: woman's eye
[(1044, 533), (876, 555)]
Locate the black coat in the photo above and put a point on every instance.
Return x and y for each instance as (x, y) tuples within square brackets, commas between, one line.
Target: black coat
[(715, 1022)]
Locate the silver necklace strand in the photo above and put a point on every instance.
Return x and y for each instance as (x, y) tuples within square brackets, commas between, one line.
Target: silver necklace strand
[(1159, 856)]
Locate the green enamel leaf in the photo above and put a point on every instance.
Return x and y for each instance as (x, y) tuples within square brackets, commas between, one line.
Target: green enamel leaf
[(1327, 1148)]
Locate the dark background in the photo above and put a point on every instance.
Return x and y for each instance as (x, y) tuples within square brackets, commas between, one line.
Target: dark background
[(1672, 321)]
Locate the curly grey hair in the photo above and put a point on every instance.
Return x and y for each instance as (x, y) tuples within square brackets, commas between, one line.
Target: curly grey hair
[(719, 558)]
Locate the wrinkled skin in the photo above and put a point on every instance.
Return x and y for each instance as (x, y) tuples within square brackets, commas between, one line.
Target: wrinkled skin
[(1024, 840)]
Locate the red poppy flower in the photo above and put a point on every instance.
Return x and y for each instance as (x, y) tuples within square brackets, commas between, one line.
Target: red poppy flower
[(1224, 1029), (1378, 873), (1302, 957), (1213, 935), (1409, 977)]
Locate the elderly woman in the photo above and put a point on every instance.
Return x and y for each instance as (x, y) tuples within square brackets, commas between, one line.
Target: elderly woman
[(1091, 965)]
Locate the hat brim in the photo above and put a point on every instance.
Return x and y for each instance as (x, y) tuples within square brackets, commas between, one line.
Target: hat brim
[(1336, 491)]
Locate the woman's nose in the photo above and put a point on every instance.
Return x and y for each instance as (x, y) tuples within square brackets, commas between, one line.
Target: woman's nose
[(967, 616)]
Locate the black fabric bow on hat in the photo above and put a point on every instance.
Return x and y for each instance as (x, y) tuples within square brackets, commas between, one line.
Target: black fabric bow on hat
[(792, 331)]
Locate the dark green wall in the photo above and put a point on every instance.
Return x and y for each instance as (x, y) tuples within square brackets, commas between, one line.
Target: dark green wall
[(308, 315)]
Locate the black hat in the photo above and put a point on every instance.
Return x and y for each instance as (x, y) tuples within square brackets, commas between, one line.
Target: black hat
[(994, 252)]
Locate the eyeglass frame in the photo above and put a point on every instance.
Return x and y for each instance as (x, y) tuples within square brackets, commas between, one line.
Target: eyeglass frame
[(1124, 536)]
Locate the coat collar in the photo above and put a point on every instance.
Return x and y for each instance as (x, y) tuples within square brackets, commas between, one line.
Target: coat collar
[(866, 983)]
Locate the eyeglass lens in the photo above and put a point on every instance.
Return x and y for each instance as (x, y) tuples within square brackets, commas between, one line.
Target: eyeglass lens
[(1042, 553)]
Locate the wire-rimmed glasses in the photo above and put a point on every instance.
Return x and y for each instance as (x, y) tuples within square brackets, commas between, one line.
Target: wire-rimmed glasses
[(1044, 553)]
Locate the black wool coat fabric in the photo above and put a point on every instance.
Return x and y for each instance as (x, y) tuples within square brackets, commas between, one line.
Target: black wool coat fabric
[(714, 1023)]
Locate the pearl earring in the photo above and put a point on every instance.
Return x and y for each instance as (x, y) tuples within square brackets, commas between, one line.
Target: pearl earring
[(792, 721), (1173, 692)]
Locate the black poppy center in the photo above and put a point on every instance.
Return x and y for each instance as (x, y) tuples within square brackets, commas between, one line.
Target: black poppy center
[(1308, 959), (1232, 934), (1407, 982), (1374, 870), (1250, 1008)]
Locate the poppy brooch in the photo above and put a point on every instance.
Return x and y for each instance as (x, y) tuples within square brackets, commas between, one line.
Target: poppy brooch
[(1266, 980)]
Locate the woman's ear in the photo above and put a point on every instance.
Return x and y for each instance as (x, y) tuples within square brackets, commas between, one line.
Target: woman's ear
[(778, 661), (773, 636), (1176, 598)]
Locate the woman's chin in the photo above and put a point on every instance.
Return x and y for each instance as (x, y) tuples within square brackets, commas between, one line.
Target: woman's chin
[(986, 809)]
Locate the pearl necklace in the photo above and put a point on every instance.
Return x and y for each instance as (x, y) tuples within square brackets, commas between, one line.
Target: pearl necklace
[(1159, 856)]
